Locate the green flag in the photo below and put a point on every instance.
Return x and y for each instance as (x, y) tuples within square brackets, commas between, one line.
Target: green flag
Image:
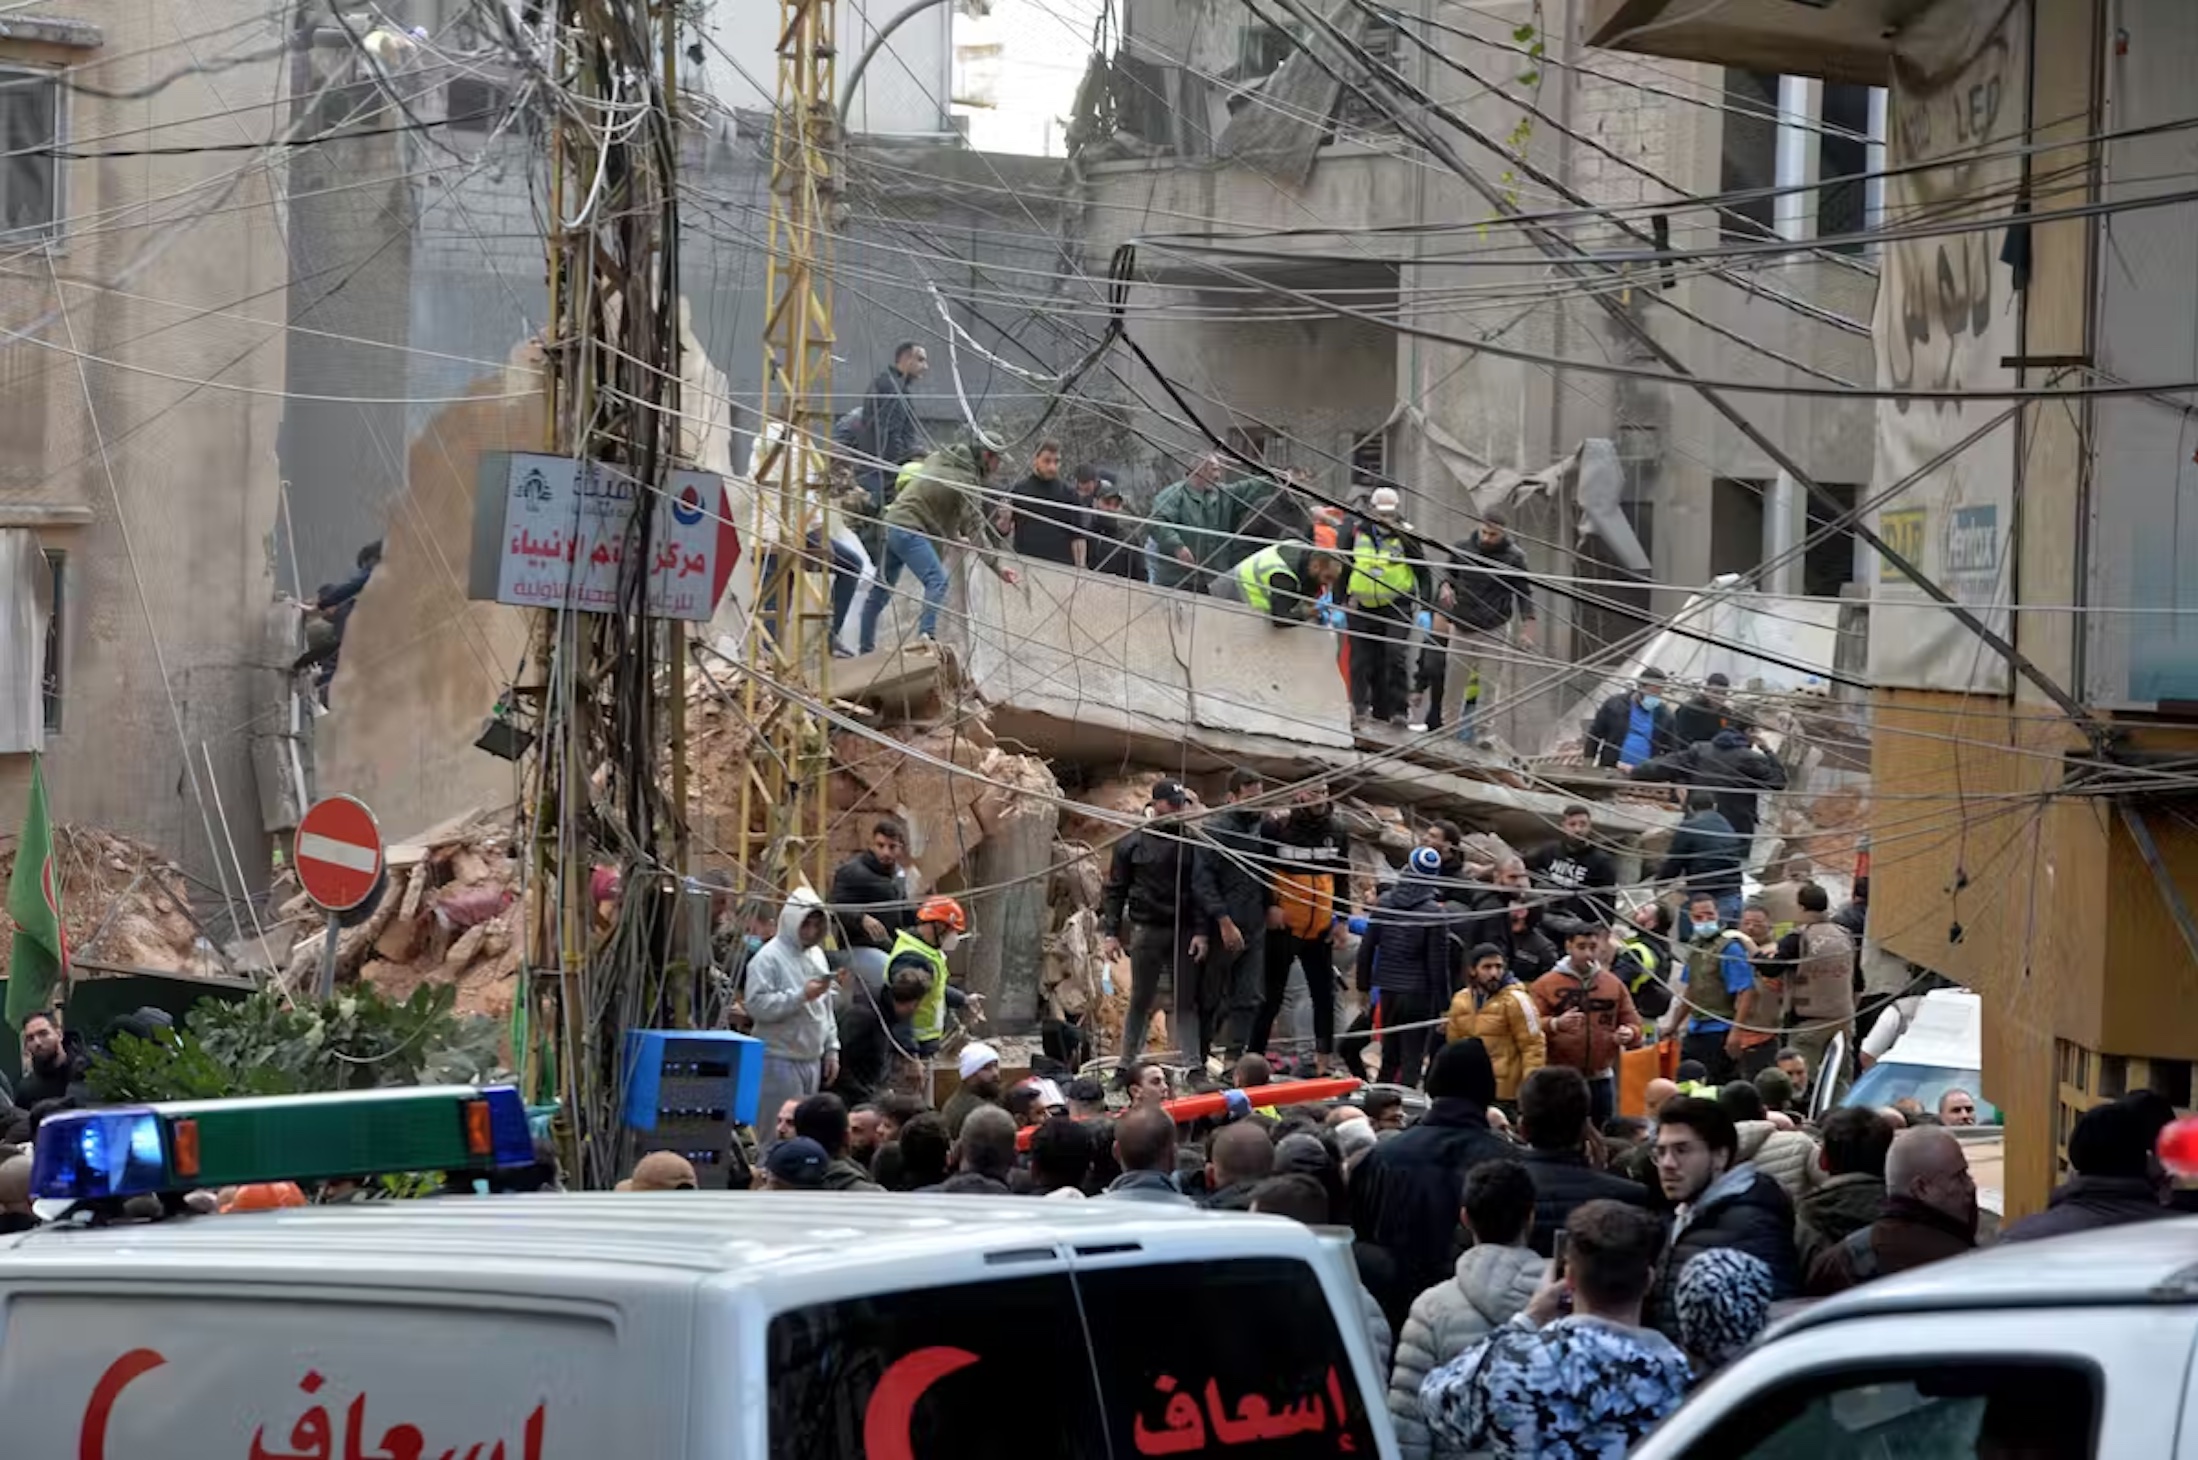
[(40, 955)]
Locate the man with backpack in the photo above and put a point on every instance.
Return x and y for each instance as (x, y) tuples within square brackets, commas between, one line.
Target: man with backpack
[(1819, 957)]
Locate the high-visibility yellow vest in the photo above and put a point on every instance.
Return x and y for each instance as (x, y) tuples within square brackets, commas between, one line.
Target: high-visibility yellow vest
[(1379, 574), (1256, 576), (1646, 957), (929, 1020)]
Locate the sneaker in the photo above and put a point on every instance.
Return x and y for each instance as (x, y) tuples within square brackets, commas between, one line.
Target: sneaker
[(841, 651)]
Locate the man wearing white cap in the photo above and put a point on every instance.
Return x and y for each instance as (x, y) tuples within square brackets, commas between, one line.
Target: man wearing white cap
[(1384, 590), (980, 1069)]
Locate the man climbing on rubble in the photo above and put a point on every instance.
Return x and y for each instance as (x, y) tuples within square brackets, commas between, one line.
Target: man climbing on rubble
[(1284, 582), (941, 507), (922, 948), (890, 433), (1487, 592), (1152, 895), (1732, 765), (869, 901), (788, 995)]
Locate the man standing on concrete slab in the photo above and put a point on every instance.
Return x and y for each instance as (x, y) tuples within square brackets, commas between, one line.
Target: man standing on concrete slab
[(1194, 524), (1383, 589), (1486, 593), (1308, 921), (890, 430), (1233, 869), (1151, 894)]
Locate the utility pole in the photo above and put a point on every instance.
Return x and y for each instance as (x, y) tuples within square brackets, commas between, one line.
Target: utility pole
[(783, 801), (611, 682)]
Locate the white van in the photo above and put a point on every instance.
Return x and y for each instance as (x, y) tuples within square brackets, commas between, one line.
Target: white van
[(686, 1326)]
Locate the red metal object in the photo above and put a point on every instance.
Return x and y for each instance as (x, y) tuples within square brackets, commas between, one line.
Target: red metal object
[(338, 851), (1187, 1108)]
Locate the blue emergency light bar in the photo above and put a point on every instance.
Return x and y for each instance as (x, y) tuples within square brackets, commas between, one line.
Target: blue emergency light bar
[(134, 1150)]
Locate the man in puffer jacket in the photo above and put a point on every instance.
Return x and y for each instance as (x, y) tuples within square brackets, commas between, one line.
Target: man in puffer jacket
[(1495, 1278), (1500, 1012), (1409, 939), (1718, 1201), (1788, 1157)]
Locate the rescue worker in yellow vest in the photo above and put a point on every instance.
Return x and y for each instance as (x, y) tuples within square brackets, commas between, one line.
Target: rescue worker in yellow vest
[(940, 925), (1284, 581), (1643, 959), (1383, 593)]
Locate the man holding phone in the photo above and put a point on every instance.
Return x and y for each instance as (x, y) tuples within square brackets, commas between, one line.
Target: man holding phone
[(787, 991)]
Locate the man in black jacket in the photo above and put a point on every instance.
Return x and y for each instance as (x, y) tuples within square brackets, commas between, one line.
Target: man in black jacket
[(1486, 591), (1410, 939), (2117, 1177), (1407, 1190), (1233, 876), (1151, 893), (869, 900), (1047, 522), (1583, 875), (875, 1033), (1718, 1200), (1705, 856), (890, 429), (1708, 712), (1554, 1105), (1734, 767), (1113, 541)]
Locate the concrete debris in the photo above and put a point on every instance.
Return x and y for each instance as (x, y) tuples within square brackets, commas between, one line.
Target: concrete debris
[(450, 914), (124, 903)]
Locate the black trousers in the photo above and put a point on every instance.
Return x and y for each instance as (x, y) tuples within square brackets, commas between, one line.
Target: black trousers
[(1404, 1054), (1242, 977), (1723, 1068), (1378, 638), (1162, 952), (1318, 958)]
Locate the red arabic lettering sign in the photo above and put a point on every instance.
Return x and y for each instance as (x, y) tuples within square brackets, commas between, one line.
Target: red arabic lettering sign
[(314, 1434), (568, 532)]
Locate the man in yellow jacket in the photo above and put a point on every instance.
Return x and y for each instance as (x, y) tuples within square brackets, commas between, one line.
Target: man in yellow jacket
[(1497, 1009)]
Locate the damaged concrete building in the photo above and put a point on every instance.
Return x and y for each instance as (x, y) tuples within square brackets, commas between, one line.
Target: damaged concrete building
[(1283, 223)]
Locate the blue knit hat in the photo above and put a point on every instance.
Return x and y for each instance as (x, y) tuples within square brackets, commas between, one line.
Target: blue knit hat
[(1426, 861)]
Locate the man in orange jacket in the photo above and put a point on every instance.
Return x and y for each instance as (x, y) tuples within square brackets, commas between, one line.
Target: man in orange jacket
[(1307, 921)]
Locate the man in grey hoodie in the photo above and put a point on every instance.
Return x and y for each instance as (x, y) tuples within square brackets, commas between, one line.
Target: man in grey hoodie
[(1495, 1278), (788, 995)]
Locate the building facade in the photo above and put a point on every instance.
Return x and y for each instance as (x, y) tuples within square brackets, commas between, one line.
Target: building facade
[(2031, 839), (142, 285)]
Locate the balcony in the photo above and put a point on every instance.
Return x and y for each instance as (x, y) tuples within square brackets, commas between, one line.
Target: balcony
[(1834, 40)]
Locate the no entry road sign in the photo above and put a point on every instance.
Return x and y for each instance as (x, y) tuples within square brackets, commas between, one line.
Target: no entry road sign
[(339, 853)]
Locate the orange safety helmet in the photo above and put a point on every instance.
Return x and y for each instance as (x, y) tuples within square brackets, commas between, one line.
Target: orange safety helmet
[(943, 910)]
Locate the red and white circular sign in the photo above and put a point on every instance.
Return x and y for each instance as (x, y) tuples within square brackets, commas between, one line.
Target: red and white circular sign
[(339, 853)]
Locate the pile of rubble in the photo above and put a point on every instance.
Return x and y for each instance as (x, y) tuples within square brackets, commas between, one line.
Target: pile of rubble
[(124, 903), (450, 914)]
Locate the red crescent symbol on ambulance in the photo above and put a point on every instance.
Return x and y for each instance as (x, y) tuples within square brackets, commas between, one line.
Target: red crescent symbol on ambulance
[(893, 1403), (91, 1440)]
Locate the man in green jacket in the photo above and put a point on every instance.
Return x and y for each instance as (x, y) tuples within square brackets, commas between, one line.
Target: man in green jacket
[(1195, 523), (941, 506)]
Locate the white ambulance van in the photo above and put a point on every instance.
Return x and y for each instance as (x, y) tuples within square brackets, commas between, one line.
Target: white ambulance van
[(662, 1326)]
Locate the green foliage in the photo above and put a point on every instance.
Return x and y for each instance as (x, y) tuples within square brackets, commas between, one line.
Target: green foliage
[(1529, 36), (357, 1040)]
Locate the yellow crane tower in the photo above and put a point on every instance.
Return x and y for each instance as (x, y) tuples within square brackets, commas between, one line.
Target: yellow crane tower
[(783, 799)]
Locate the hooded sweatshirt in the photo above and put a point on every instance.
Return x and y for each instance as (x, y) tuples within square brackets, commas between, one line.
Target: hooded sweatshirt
[(1491, 1284), (790, 1026)]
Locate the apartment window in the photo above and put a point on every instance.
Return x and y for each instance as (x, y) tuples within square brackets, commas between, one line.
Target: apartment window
[(57, 568), (1355, 112), (1843, 151), (30, 128), (1261, 50), (1370, 459), (1828, 564), (1750, 156), (1252, 441)]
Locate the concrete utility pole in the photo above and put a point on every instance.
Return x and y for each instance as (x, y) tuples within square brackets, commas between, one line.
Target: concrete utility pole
[(783, 801)]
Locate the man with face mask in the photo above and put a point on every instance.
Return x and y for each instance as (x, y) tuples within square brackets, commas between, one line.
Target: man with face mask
[(1930, 1213), (940, 925), (1580, 873), (788, 993), (1634, 727)]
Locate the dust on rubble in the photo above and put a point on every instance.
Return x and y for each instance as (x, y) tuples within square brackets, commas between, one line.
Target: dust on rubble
[(124, 902)]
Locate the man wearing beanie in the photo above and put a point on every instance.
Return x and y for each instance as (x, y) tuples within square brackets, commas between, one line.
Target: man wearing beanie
[(1405, 1194), (2118, 1177), (1409, 939)]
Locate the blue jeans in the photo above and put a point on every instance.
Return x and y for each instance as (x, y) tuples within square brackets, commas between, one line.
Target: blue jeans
[(846, 577), (905, 548)]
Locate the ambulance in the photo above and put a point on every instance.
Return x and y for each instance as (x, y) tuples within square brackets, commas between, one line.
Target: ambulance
[(660, 1326)]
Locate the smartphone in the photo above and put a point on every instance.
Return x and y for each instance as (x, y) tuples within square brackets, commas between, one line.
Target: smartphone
[(1557, 1245)]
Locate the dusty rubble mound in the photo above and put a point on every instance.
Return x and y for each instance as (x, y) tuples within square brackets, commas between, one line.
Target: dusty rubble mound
[(451, 914), (124, 903)]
